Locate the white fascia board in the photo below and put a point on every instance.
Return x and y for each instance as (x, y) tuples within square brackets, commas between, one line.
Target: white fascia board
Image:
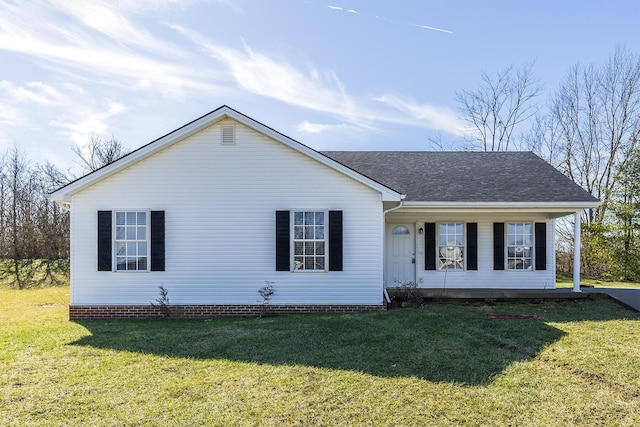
[(488, 207), (65, 193)]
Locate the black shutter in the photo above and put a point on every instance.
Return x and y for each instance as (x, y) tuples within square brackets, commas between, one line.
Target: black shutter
[(472, 246), (157, 240), (283, 247), (430, 246), (335, 240), (541, 245), (498, 246), (105, 258)]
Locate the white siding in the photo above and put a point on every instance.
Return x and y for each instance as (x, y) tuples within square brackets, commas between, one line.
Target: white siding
[(220, 203), (485, 276)]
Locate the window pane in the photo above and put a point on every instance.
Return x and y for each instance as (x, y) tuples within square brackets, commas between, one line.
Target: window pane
[(319, 232), (131, 263), (308, 232), (142, 263), (298, 248), (119, 218), (320, 263), (142, 218), (400, 229), (308, 218), (297, 218), (319, 248), (298, 232), (119, 233), (319, 218), (121, 249), (131, 233), (309, 248), (142, 233), (131, 218), (142, 249), (442, 239), (131, 249), (121, 263), (308, 263), (298, 263)]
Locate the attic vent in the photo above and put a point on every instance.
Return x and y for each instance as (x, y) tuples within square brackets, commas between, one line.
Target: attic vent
[(228, 135)]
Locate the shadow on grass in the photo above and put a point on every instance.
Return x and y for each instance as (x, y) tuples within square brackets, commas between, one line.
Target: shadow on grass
[(437, 343)]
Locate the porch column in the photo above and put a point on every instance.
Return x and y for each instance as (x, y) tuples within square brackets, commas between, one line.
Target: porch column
[(576, 252)]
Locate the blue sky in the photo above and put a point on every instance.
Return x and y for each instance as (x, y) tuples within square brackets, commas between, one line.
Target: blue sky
[(339, 75)]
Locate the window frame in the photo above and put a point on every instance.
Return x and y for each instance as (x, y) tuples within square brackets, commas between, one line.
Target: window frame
[(115, 240), (531, 246), (293, 240), (462, 246)]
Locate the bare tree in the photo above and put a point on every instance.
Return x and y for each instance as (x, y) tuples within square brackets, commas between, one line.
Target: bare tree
[(589, 130), (498, 108), (98, 152), (52, 177), (15, 171)]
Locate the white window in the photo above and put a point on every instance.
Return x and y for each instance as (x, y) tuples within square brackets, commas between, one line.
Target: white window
[(309, 241), (519, 246), (451, 246), (131, 242)]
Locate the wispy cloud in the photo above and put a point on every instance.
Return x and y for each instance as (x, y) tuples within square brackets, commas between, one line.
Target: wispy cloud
[(90, 120), (384, 18), (320, 91), (10, 115), (313, 128), (34, 92), (426, 27), (259, 74), (98, 40), (21, 104), (432, 117)]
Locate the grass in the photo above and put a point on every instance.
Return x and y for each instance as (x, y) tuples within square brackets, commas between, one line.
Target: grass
[(438, 365), (566, 281), (34, 273)]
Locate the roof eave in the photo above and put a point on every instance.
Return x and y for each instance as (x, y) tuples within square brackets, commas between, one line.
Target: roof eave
[(504, 206)]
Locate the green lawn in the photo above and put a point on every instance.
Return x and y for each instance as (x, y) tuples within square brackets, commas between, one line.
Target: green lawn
[(566, 281), (438, 365)]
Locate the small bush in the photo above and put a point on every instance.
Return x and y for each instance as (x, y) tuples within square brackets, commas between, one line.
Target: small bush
[(407, 293)]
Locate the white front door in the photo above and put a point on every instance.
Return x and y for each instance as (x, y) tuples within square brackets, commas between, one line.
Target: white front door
[(400, 254)]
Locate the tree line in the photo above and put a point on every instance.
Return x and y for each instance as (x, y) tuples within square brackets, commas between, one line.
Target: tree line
[(34, 231), (589, 129)]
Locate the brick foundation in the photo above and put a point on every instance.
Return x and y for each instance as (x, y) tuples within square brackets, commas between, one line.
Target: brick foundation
[(113, 312)]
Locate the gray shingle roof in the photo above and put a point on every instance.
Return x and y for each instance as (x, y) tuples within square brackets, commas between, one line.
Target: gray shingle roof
[(465, 176)]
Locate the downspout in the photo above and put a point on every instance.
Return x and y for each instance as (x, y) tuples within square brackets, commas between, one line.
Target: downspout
[(384, 239)]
